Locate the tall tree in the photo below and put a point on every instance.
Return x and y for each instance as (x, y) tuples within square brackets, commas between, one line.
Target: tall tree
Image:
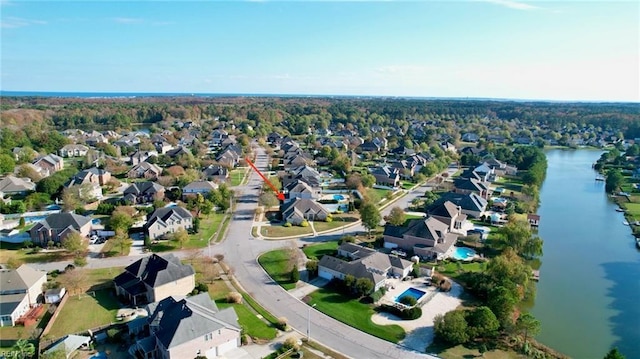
[(613, 181), (181, 236), (121, 240), (528, 325), (25, 348), (75, 244), (370, 216), (614, 354), (452, 327), (396, 217)]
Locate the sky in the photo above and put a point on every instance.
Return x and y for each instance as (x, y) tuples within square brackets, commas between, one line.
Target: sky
[(542, 50)]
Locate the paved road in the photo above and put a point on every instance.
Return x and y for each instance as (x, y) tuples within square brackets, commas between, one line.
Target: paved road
[(241, 251)]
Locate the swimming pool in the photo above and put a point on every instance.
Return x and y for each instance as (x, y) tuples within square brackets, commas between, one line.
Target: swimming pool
[(463, 254), (338, 197), (410, 292), (99, 355)]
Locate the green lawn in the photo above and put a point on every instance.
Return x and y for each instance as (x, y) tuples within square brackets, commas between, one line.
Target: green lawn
[(632, 209), (353, 313), (237, 175), (278, 266), (209, 225), (460, 351), (252, 325), (14, 251), (339, 220), (278, 231), (85, 312), (319, 250)]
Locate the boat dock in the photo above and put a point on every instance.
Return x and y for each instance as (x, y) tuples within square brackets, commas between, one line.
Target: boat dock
[(535, 275)]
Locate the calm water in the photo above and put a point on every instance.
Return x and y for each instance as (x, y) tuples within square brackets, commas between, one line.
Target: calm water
[(588, 297)]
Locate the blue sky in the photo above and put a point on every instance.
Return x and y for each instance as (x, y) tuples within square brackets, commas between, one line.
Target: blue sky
[(574, 50)]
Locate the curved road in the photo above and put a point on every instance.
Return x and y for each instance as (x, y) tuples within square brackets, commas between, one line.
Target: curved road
[(241, 250)]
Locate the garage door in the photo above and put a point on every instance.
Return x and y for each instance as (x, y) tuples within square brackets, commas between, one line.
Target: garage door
[(322, 273), (225, 347)]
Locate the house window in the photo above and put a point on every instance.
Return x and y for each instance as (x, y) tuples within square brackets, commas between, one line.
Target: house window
[(208, 337)]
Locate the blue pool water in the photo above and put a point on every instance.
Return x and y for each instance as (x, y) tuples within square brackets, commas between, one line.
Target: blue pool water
[(463, 254), (338, 197), (95, 221), (411, 292), (99, 355)]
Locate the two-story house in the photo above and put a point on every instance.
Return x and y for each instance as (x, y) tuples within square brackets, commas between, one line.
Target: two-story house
[(143, 192), (168, 220), (154, 278), (59, 225), (187, 327), (20, 290), (50, 163)]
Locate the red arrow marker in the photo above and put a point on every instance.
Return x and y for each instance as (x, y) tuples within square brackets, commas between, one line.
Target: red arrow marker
[(279, 194)]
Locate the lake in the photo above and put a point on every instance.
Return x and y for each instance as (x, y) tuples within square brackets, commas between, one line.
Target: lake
[(588, 297)]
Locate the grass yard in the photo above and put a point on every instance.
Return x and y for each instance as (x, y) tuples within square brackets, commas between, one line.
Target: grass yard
[(510, 185), (85, 312), (278, 266), (319, 250), (339, 220), (632, 209), (209, 225), (460, 351), (109, 250), (252, 325), (353, 313), (278, 231), (237, 175), (101, 275), (15, 252)]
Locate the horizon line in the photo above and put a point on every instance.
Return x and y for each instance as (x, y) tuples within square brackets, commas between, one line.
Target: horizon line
[(109, 94)]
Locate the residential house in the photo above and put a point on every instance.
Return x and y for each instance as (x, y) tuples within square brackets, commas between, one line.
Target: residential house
[(300, 209), (143, 192), (427, 238), (301, 189), (12, 185), (145, 170), (486, 172), (450, 214), (95, 138), (501, 168), (471, 185), (470, 204), (217, 136), (274, 139), (216, 173), (402, 151), (230, 156), (58, 226), (296, 161), (73, 151), (20, 153), (168, 220), (127, 141), (198, 187), (187, 327), (304, 173), (162, 147), (50, 163), (476, 151), (178, 151), (448, 147), (141, 156), (386, 176), (20, 291), (375, 145), (470, 137), (92, 175), (154, 278), (363, 263)]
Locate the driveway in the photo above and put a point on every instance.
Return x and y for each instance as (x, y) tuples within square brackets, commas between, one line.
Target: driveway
[(241, 251)]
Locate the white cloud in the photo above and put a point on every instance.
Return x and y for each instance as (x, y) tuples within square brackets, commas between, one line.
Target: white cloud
[(516, 5), (16, 22), (128, 20)]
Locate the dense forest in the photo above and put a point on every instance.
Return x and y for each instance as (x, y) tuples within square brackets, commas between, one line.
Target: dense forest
[(301, 113)]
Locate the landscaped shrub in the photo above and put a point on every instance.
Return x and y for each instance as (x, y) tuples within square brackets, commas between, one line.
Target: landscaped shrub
[(287, 224), (328, 201), (328, 219), (408, 300), (445, 286), (291, 343), (304, 223), (295, 274), (406, 313), (234, 297), (199, 288), (282, 323)]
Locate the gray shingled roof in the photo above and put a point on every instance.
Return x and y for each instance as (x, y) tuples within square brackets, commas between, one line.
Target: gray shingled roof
[(143, 188), (11, 184), (156, 270), (61, 221), (183, 320)]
